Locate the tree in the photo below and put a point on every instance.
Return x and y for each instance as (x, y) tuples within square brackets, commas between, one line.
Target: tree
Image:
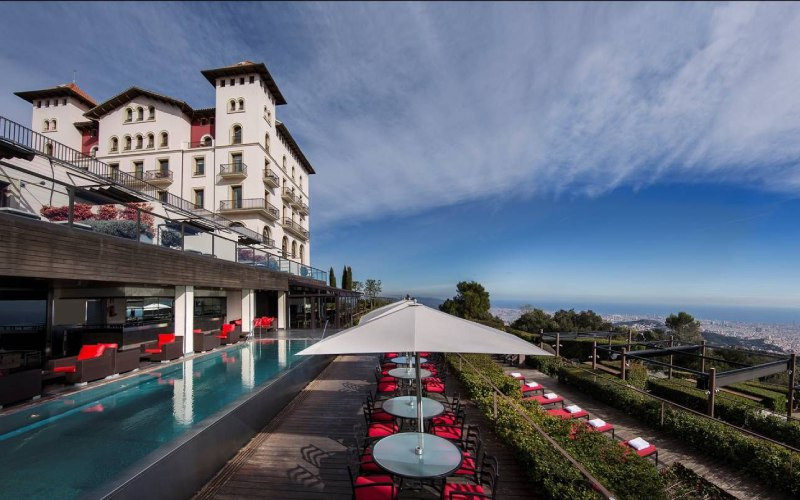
[(332, 277), (471, 302), (349, 278), (684, 327), (534, 320), (344, 278), (371, 290)]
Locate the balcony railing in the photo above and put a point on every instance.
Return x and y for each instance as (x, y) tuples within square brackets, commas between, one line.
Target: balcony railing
[(233, 170), (295, 228), (33, 143), (287, 194), (200, 144), (250, 204), (302, 208), (158, 176), (270, 178)]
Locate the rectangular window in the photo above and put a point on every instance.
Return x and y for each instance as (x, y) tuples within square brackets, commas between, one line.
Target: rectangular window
[(162, 196), (200, 166), (199, 198), (38, 104), (163, 165), (55, 102), (138, 169), (64, 102), (47, 103), (232, 81), (222, 83), (236, 159), (236, 196), (252, 79), (241, 81)]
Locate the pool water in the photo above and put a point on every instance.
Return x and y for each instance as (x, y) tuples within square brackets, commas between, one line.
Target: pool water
[(72, 445)]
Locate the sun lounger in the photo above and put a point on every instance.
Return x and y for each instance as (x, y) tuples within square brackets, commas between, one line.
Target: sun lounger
[(598, 425), (569, 413), (641, 447), (548, 399), (530, 388)]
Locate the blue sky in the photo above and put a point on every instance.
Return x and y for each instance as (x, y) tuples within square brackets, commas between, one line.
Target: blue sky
[(610, 152)]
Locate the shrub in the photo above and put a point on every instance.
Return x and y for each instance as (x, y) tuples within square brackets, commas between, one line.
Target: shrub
[(107, 212), (119, 228), (81, 211), (627, 474), (636, 375), (171, 238), (769, 397), (763, 461), (545, 364)]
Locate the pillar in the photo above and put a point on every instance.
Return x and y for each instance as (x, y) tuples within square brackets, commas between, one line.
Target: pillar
[(792, 379), (248, 309), (630, 337), (184, 316), (233, 305), (558, 344), (283, 311), (594, 355), (712, 390)]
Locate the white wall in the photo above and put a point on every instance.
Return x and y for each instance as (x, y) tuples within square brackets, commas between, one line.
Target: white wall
[(65, 117)]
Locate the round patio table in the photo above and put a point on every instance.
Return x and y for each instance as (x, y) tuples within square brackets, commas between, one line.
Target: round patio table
[(406, 407), (409, 373), (397, 454), (407, 360)]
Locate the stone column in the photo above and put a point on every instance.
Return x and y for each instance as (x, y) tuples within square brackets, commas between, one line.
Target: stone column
[(184, 316), (248, 309), (283, 311)]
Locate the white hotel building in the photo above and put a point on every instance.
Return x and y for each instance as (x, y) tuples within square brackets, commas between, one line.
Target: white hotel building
[(236, 158)]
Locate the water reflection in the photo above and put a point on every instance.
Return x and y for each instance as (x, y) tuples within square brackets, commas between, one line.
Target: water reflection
[(183, 395), (248, 366)]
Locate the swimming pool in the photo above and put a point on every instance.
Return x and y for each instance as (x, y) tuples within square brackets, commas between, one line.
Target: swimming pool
[(73, 445)]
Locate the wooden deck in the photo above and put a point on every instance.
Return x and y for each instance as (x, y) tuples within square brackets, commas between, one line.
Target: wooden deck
[(302, 454)]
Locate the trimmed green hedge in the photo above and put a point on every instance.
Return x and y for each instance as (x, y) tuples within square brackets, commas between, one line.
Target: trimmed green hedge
[(545, 364), (763, 461), (773, 400), (730, 408), (626, 474)]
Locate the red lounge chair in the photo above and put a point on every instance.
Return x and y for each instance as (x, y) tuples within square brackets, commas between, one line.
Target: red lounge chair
[(546, 402), (169, 347), (226, 335), (124, 361), (517, 376), (603, 428), (93, 362), (484, 487), (566, 415), (373, 487), (529, 390), (645, 452)]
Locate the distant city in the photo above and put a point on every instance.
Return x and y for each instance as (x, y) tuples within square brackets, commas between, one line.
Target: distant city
[(783, 337)]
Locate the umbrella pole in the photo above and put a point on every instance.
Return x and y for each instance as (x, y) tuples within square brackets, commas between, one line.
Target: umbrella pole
[(420, 426)]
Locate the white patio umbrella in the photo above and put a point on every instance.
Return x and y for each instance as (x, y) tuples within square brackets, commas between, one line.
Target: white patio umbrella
[(411, 327)]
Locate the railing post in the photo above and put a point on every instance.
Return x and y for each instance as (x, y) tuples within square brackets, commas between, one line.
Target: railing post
[(792, 380), (71, 210), (594, 355), (712, 389), (662, 414), (558, 344), (630, 337), (138, 224), (494, 404), (671, 344), (703, 359), (623, 368)]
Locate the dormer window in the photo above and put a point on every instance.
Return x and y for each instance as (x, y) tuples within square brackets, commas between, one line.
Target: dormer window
[(128, 115), (151, 112)]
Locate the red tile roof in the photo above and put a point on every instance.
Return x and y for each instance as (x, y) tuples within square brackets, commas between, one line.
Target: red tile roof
[(66, 89)]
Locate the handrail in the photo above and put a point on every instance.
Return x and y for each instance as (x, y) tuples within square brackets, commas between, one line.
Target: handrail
[(597, 485), (232, 168), (676, 405)]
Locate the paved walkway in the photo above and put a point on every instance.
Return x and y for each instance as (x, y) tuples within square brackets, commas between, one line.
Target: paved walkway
[(670, 450), (302, 453)]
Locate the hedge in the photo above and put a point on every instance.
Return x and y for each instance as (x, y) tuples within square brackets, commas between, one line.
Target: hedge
[(773, 400), (685, 483), (730, 408), (545, 364), (766, 462), (626, 474), (119, 228)]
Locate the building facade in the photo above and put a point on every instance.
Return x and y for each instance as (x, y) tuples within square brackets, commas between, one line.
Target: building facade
[(236, 158)]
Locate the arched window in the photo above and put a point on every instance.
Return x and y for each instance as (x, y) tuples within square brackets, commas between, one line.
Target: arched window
[(114, 146), (48, 149), (127, 143), (232, 105), (129, 115), (164, 140), (284, 246), (53, 124), (206, 140), (93, 152), (241, 104), (46, 125), (284, 163), (292, 173), (140, 113), (294, 249), (236, 134), (267, 235), (151, 112), (139, 141), (266, 142), (302, 254), (151, 140)]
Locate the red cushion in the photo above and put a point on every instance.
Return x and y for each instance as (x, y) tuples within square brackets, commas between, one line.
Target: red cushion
[(468, 466), (91, 351), (227, 328), (382, 416), (434, 387), (110, 346), (153, 351), (165, 338), (197, 330), (381, 430), (391, 355), (462, 491), (237, 322), (447, 432), (447, 419), (65, 369), (387, 387), (366, 492)]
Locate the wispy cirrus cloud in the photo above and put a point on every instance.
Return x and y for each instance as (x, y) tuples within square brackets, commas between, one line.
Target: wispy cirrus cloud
[(407, 107)]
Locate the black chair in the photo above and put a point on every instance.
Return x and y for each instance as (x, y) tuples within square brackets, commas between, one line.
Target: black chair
[(484, 487), (372, 486)]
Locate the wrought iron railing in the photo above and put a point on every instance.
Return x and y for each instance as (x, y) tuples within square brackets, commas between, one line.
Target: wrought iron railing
[(233, 169), (295, 227), (249, 204), (270, 176), (158, 175)]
